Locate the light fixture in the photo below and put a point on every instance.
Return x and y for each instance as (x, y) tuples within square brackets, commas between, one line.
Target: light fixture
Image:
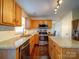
[(55, 10), (58, 6), (55, 13), (60, 1)]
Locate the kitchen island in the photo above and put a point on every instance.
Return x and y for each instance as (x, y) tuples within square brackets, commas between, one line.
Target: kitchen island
[(16, 47), (63, 48)]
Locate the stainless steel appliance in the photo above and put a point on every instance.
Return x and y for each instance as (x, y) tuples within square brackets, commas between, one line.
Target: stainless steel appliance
[(25, 51), (43, 36)]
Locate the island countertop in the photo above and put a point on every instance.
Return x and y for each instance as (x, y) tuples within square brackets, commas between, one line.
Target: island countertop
[(14, 42), (65, 42)]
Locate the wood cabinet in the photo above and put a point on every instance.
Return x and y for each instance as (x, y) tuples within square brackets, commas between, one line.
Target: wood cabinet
[(57, 52), (33, 40), (17, 53), (8, 12), (0, 11), (54, 50), (36, 39), (32, 44), (51, 49), (18, 15), (35, 23)]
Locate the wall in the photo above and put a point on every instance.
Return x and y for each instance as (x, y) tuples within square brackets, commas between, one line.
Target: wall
[(67, 22), (63, 27), (56, 27), (66, 28), (75, 13)]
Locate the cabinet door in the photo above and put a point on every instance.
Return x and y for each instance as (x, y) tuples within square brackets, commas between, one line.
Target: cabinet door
[(0, 11), (36, 39), (9, 12), (31, 44), (18, 14), (51, 49), (50, 24)]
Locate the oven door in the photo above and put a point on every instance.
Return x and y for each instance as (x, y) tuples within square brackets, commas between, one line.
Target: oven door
[(25, 51)]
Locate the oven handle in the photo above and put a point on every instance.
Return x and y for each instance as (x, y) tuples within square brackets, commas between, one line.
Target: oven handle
[(24, 46)]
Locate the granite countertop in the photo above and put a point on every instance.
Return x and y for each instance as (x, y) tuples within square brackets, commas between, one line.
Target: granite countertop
[(65, 42), (14, 42)]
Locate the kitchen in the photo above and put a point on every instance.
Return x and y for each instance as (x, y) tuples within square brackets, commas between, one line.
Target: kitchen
[(39, 29)]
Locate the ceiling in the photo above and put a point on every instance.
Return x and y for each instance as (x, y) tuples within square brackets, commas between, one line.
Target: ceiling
[(45, 8)]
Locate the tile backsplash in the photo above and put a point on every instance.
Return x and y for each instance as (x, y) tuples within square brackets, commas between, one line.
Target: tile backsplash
[(7, 32), (6, 28)]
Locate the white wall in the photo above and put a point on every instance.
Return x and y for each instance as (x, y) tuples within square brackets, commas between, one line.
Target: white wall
[(66, 28), (63, 27), (56, 26)]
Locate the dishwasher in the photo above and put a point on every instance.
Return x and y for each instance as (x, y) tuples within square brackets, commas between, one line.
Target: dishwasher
[(25, 51)]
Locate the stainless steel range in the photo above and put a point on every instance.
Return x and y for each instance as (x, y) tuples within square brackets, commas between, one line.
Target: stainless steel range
[(43, 35)]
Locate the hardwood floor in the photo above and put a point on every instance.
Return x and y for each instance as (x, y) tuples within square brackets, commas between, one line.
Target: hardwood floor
[(40, 52)]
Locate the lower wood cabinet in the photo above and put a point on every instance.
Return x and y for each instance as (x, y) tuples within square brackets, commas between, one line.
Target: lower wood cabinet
[(54, 50), (0, 11), (36, 39), (31, 43), (22, 52), (57, 52)]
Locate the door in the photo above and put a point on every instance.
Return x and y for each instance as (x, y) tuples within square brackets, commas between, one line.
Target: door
[(9, 11)]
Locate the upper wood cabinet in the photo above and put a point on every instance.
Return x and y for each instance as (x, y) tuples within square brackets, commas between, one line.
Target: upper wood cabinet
[(8, 11), (18, 14), (35, 23), (0, 11)]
